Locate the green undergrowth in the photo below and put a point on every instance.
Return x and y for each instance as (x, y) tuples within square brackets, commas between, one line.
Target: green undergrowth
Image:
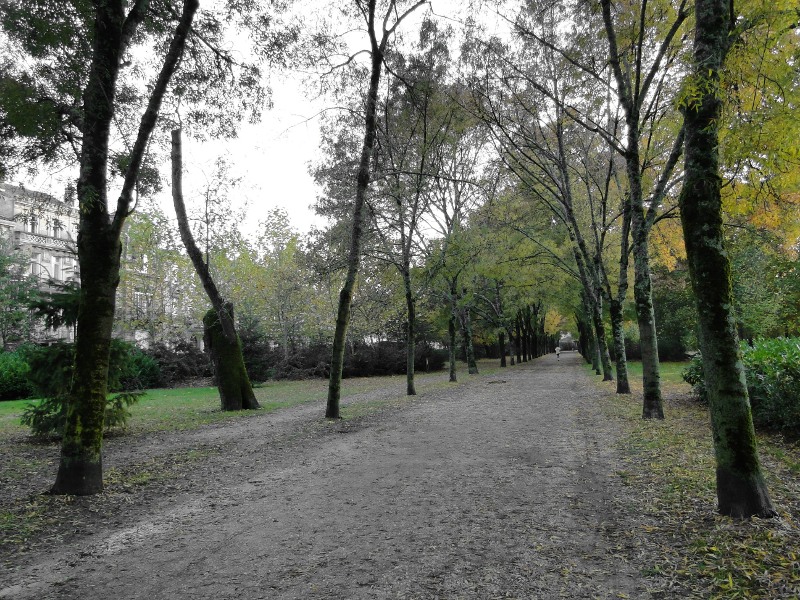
[(670, 467)]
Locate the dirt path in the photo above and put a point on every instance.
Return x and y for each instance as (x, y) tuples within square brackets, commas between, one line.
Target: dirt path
[(502, 487)]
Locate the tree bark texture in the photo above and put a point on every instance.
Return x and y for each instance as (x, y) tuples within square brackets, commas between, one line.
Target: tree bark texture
[(501, 345), (235, 390), (741, 489), (80, 470), (332, 410)]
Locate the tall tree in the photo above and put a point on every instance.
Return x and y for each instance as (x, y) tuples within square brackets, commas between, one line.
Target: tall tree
[(638, 86), (378, 42), (99, 249), (79, 82), (414, 121), (741, 489), (222, 341)]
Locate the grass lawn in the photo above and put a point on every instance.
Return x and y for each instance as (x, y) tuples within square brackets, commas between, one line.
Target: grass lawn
[(671, 372), (670, 464), (189, 408)]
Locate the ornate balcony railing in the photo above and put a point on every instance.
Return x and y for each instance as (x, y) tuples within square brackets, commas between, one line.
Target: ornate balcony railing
[(25, 238)]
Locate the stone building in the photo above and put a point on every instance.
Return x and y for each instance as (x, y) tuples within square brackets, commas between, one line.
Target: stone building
[(45, 229), (153, 299)]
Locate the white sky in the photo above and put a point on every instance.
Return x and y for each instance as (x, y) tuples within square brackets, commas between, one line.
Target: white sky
[(271, 158)]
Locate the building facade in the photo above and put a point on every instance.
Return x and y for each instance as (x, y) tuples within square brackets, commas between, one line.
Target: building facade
[(44, 229)]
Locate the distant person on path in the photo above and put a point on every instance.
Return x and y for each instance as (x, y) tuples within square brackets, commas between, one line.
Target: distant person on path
[(558, 352)]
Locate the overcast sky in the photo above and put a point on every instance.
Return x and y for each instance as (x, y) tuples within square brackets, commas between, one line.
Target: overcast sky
[(271, 157)]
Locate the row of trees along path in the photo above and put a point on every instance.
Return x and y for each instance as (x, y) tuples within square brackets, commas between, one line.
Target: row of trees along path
[(502, 485)]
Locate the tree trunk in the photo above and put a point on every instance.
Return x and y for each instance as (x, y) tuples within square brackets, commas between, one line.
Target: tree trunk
[(535, 337), (235, 391), (593, 305), (652, 403), (451, 331), (618, 331), (631, 93), (741, 489), (501, 345), (602, 347), (591, 342), (472, 366), (354, 257), (410, 335), (80, 470)]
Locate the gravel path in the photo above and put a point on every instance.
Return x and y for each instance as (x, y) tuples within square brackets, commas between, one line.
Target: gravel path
[(501, 487)]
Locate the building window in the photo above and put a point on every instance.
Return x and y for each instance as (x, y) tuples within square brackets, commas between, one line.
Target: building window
[(57, 268), (32, 224), (58, 227), (36, 263)]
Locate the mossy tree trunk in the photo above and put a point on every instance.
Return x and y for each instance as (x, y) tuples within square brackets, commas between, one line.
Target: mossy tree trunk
[(80, 470), (466, 323), (741, 489), (235, 390), (618, 333), (222, 341)]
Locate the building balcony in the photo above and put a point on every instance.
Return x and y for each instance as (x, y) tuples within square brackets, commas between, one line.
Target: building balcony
[(25, 239)]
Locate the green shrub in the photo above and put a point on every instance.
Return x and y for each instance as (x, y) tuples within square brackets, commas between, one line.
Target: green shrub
[(772, 368), (179, 362), (131, 369), (50, 375), (47, 417), (50, 368), (14, 376), (773, 381), (693, 375)]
